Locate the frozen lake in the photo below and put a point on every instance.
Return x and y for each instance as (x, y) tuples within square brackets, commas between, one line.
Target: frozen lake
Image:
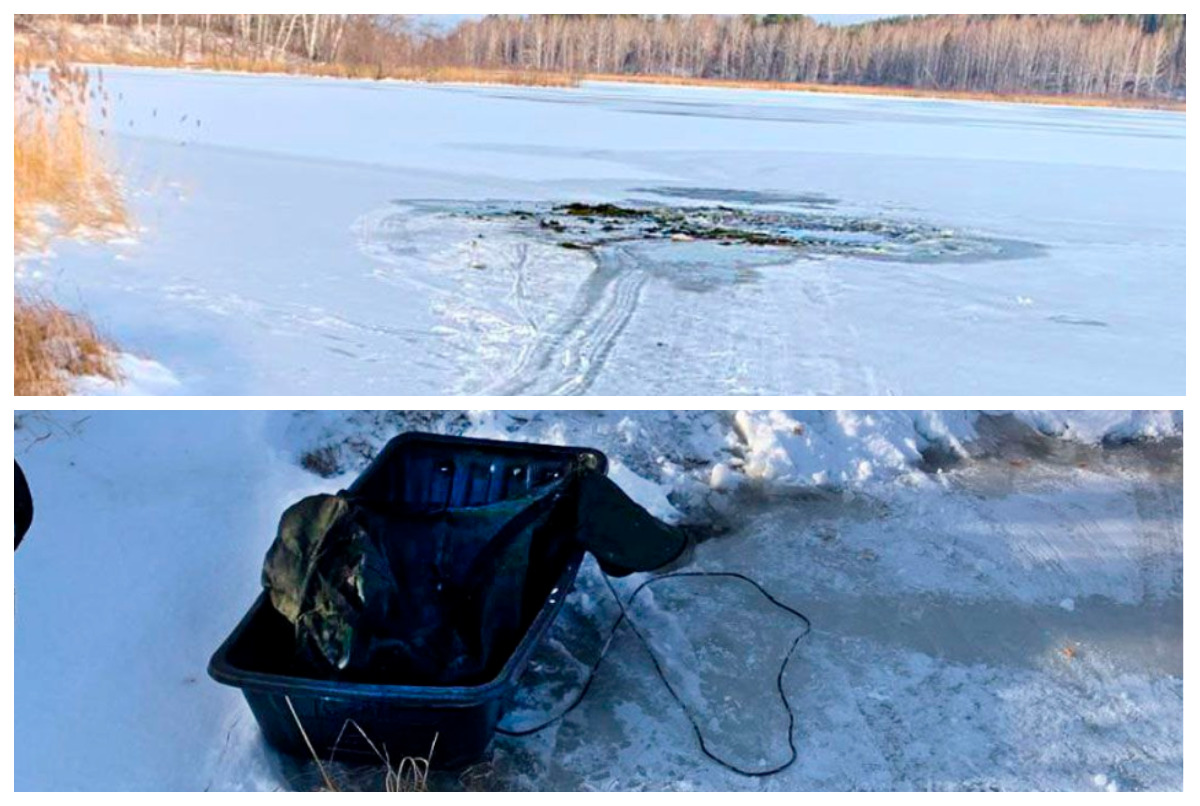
[(314, 236)]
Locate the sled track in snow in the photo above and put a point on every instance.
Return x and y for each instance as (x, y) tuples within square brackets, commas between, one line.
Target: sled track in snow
[(566, 359)]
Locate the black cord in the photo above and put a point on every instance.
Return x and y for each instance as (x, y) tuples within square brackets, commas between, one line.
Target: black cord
[(624, 617)]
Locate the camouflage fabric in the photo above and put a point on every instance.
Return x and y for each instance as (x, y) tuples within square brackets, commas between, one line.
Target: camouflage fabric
[(325, 572), (442, 597)]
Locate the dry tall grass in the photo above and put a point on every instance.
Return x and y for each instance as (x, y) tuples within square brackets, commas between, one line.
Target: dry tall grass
[(52, 345), (476, 75), (121, 51), (440, 75), (410, 775), (61, 181), (61, 186)]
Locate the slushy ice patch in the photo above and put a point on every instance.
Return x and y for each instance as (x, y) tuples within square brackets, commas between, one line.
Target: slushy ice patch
[(749, 227)]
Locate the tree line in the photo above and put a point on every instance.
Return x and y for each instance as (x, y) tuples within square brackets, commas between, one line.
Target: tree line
[(316, 37), (1138, 55)]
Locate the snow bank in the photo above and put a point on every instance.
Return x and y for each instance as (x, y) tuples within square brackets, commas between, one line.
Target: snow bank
[(845, 449), (840, 449), (673, 463), (1093, 427)]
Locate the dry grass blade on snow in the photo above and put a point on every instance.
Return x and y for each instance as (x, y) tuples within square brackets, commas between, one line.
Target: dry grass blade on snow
[(52, 345), (410, 775)]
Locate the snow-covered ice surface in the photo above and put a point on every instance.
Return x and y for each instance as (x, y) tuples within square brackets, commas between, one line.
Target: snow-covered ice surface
[(996, 599), (136, 376), (281, 252)]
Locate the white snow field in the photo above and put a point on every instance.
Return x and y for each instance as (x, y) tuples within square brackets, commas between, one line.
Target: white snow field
[(996, 600), (317, 236)]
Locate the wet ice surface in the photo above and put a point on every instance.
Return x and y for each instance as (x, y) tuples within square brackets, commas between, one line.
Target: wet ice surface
[(273, 258), (1020, 630)]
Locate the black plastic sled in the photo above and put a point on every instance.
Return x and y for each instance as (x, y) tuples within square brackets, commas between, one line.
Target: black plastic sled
[(401, 720)]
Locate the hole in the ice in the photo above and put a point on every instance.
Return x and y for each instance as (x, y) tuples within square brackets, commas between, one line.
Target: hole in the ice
[(740, 232)]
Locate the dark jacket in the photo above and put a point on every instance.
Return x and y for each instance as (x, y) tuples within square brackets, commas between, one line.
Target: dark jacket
[(23, 505)]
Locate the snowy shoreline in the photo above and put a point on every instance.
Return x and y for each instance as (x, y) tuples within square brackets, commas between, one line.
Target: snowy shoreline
[(1070, 101), (833, 450)]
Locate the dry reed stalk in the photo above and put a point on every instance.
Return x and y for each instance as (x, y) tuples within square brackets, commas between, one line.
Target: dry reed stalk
[(62, 185), (52, 345)]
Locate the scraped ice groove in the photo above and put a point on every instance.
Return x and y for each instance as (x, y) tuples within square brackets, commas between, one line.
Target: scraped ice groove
[(1160, 509)]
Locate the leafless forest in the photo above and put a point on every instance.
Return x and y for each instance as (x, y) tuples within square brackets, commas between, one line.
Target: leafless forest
[(1116, 56)]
